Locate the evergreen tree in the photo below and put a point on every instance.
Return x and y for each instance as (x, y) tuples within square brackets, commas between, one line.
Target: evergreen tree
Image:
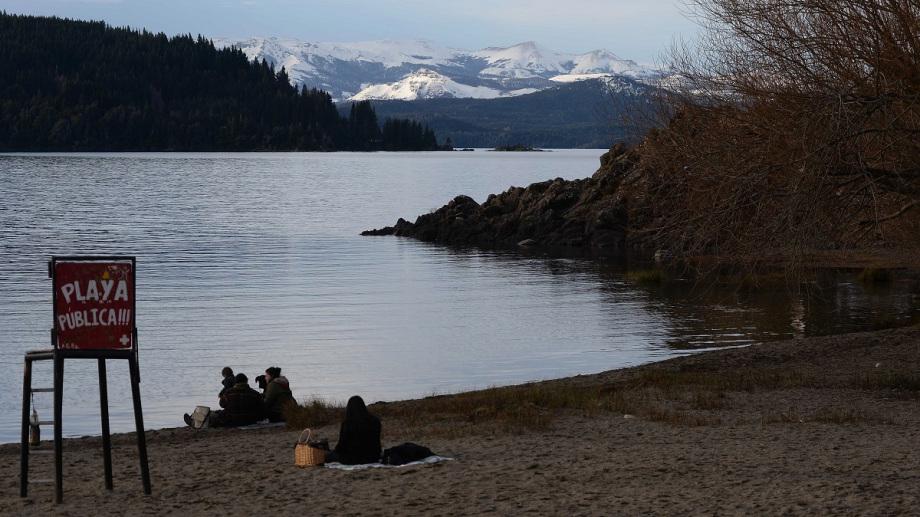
[(363, 128), (408, 135), (70, 85)]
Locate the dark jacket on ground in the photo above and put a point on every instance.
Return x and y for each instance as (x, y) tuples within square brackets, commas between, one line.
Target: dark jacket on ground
[(242, 405), (359, 441), (277, 396)]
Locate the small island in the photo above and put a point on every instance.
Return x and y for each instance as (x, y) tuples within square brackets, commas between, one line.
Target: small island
[(520, 148)]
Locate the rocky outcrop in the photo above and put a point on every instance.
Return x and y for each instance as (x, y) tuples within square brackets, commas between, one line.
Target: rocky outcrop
[(590, 213)]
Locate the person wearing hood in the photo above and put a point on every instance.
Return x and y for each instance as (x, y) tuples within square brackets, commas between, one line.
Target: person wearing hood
[(277, 394)]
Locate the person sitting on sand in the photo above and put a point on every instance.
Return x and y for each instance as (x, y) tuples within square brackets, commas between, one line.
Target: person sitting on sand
[(241, 405), (228, 380), (359, 436), (277, 394)]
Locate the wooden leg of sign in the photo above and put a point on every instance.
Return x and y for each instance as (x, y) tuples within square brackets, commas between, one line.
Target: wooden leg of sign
[(24, 447), (106, 438), (58, 439), (139, 423)]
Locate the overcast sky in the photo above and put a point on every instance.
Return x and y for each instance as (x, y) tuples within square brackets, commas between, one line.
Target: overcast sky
[(634, 29)]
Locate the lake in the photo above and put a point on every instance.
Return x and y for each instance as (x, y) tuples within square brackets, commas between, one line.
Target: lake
[(255, 260)]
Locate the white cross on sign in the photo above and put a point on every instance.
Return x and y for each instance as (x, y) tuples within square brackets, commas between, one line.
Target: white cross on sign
[(124, 340)]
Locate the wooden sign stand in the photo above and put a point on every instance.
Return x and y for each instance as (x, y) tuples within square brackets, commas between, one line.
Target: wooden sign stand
[(92, 335)]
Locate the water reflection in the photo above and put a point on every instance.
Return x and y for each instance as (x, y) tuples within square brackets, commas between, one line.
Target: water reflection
[(834, 302), (689, 316)]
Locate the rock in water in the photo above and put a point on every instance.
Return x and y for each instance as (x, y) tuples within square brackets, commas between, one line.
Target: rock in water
[(587, 213)]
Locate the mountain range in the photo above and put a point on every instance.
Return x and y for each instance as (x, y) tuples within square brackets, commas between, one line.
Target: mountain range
[(414, 70), (579, 114)]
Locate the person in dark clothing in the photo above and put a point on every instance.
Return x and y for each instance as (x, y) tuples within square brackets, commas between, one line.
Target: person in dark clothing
[(242, 405), (359, 436), (277, 394), (228, 380)]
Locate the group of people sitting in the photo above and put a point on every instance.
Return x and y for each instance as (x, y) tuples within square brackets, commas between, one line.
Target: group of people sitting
[(359, 434), (243, 405)]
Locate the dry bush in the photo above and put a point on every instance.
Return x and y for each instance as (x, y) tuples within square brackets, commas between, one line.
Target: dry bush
[(517, 409), (679, 398), (312, 413), (905, 382), (825, 415), (674, 398), (794, 126), (510, 409), (737, 379)]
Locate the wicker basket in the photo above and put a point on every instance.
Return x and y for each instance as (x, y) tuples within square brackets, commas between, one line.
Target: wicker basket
[(305, 455)]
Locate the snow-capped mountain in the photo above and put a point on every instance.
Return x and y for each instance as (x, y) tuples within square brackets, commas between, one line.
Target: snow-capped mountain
[(428, 84), (424, 84), (410, 70)]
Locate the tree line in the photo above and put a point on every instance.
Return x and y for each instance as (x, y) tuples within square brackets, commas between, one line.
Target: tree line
[(69, 85)]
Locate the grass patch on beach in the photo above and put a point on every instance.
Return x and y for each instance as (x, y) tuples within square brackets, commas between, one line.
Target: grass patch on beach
[(720, 381), (679, 418), (832, 415), (896, 381), (824, 415), (707, 400), (534, 407), (312, 413), (686, 398), (511, 409), (679, 398)]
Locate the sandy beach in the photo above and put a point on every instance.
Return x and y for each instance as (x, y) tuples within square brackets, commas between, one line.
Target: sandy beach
[(824, 425)]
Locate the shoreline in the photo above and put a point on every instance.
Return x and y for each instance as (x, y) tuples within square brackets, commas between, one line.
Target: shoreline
[(824, 424), (679, 353)]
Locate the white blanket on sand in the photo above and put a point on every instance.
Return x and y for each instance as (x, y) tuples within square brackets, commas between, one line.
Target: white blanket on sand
[(261, 425), (426, 461)]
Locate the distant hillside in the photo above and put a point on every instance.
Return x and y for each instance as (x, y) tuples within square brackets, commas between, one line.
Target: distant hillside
[(84, 86), (584, 114)]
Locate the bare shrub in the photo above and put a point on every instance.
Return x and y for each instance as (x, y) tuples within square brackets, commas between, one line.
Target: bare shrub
[(794, 126), (312, 413)]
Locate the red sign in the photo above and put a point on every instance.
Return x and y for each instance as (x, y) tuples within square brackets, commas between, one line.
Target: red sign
[(94, 304)]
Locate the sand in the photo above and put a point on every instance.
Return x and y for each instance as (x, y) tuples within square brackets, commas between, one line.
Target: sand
[(822, 443)]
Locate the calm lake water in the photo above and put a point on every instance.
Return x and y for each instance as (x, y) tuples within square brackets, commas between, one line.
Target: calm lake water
[(254, 260)]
